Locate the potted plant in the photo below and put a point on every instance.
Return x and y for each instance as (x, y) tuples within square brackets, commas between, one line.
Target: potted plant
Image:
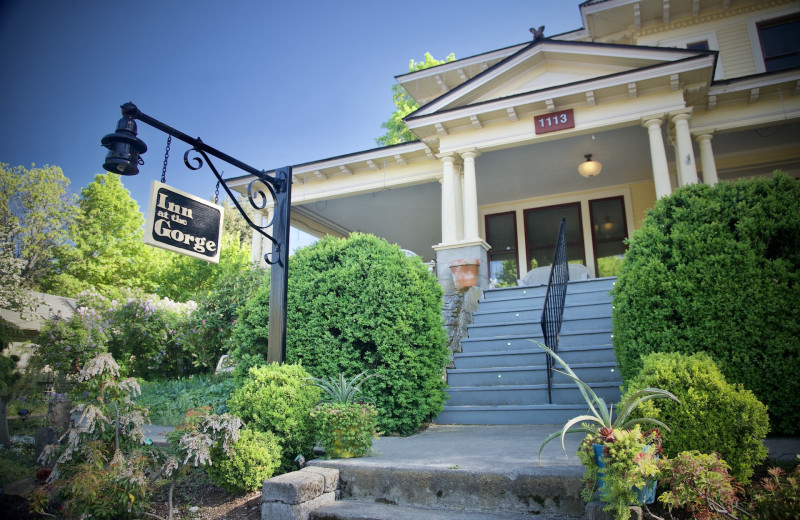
[(619, 457), (345, 426)]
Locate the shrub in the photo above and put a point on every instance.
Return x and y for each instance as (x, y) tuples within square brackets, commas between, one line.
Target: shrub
[(360, 304), (345, 429), (277, 398), (254, 459), (714, 416), (713, 269), (698, 483)]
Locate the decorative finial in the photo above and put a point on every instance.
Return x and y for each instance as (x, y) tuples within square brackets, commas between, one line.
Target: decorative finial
[(538, 34)]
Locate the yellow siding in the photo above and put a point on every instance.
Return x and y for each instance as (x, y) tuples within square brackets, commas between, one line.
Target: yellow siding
[(643, 197), (736, 52)]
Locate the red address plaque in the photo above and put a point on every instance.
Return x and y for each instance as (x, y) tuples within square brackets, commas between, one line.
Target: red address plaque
[(554, 121)]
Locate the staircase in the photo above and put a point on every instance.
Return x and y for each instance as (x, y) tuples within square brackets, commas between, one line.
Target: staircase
[(500, 375)]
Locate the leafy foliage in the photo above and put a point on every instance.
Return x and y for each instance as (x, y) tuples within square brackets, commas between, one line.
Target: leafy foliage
[(698, 483), (168, 400), (629, 465), (35, 211), (253, 459), (712, 269), (211, 325), (345, 430), (277, 398), (105, 249), (777, 496), (359, 304), (714, 416), (396, 130)]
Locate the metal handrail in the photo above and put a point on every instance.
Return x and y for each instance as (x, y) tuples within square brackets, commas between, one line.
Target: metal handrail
[(553, 309)]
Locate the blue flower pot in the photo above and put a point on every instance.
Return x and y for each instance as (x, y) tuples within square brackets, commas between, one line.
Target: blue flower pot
[(644, 496)]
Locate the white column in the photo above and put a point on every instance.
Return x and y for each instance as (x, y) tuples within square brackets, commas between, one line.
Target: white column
[(459, 200), (707, 159), (658, 157), (687, 169), (257, 246), (448, 200), (470, 196)]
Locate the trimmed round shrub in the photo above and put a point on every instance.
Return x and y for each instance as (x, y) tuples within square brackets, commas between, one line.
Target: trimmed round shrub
[(278, 399), (255, 457), (717, 270), (345, 430), (359, 304), (713, 416)]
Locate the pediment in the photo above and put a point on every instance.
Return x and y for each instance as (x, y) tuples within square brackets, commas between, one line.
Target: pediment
[(548, 64)]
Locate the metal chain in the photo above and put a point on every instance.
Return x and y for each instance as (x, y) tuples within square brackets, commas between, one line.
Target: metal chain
[(216, 194), (166, 158)]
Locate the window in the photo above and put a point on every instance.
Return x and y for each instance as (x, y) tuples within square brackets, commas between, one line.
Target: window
[(541, 234), (698, 46), (780, 42), (609, 231), (501, 235)]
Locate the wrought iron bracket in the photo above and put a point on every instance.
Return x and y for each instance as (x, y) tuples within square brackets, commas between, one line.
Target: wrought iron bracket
[(264, 187)]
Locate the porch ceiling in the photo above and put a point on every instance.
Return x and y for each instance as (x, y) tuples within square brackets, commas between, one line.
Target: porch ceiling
[(411, 216)]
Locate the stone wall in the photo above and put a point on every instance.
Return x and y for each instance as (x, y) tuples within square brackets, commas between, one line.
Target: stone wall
[(457, 313)]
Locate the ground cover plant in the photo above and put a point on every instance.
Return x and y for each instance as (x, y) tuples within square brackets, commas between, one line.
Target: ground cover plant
[(359, 304), (168, 400), (712, 269)]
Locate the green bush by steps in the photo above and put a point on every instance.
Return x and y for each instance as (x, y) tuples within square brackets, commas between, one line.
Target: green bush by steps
[(717, 270), (359, 304), (279, 399), (713, 415), (255, 458)]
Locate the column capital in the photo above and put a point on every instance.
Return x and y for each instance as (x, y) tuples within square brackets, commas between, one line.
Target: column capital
[(704, 136), (684, 114), (470, 153), (447, 157), (649, 121)]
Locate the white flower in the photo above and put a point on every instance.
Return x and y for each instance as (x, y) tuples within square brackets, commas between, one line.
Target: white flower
[(101, 363)]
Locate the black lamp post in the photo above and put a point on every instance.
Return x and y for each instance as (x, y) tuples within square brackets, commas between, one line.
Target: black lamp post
[(123, 158)]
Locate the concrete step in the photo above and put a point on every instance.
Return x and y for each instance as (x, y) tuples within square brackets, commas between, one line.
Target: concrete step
[(511, 414), (574, 287), (587, 323), (562, 393), (358, 510), (568, 339), (589, 373), (533, 356), (572, 311), (553, 491)]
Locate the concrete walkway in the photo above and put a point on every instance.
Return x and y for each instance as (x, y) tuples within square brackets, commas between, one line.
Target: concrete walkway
[(482, 447)]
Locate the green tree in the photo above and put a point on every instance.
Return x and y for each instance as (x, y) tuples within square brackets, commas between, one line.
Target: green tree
[(106, 251), (396, 130), (35, 210)]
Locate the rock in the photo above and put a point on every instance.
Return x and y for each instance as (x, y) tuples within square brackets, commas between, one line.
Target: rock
[(43, 437), (58, 413)]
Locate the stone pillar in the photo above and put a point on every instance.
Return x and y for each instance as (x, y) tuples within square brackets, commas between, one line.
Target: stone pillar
[(658, 157), (687, 168), (470, 196), (449, 230), (707, 159)]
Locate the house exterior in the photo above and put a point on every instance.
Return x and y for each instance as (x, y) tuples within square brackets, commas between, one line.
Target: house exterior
[(661, 93)]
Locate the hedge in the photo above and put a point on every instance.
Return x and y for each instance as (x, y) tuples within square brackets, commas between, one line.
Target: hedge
[(717, 269)]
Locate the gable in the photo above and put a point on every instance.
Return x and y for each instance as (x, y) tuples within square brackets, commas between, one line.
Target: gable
[(547, 64)]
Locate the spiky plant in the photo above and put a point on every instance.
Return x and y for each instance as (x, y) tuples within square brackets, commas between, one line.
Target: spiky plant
[(341, 390), (601, 419)]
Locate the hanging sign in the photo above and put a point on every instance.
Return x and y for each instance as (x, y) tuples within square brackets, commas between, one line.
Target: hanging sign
[(180, 222), (554, 121)]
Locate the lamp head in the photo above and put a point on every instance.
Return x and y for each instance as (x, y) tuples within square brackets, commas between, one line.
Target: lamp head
[(589, 168), (124, 148)]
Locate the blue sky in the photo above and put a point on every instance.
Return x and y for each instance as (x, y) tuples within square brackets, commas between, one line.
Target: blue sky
[(269, 83)]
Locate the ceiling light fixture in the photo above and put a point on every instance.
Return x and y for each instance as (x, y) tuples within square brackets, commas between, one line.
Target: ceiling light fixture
[(589, 168)]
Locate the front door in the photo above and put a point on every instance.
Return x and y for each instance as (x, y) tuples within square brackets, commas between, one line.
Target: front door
[(541, 234)]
